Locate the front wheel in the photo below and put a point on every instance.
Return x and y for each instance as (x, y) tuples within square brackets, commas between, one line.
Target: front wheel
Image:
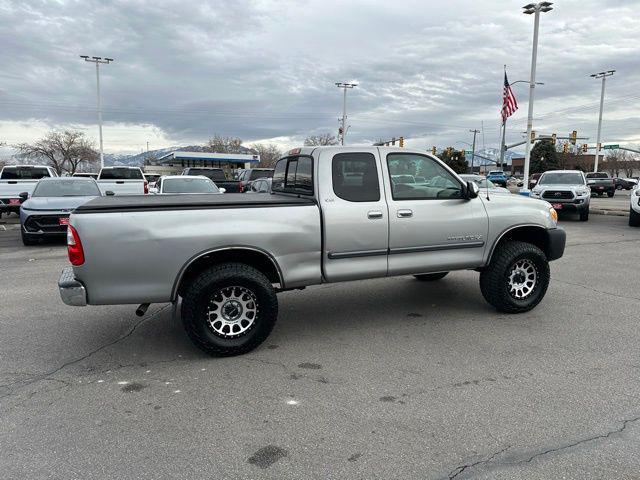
[(634, 218), (229, 309), (584, 215), (430, 277), (517, 278), (610, 194), (28, 240)]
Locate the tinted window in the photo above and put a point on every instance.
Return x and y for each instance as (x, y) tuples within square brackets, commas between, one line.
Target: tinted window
[(121, 174), (279, 174), (188, 185), (292, 174), (24, 173), (304, 175), (213, 174), (355, 177), (260, 174), (439, 182), (67, 188), (561, 178), (597, 175)]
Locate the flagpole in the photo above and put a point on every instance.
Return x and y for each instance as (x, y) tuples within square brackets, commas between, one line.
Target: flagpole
[(503, 144)]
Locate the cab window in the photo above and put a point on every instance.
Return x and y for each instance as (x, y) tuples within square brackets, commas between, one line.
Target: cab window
[(417, 177), (293, 175), (355, 177)]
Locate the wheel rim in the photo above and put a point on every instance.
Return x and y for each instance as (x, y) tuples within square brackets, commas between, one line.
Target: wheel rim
[(232, 311), (522, 279)]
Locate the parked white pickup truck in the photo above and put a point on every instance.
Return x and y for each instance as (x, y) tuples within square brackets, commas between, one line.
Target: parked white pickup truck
[(17, 179), (335, 214), (122, 181)]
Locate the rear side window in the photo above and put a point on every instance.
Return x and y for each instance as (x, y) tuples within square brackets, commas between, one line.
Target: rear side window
[(24, 173), (293, 175), (121, 174), (355, 177)]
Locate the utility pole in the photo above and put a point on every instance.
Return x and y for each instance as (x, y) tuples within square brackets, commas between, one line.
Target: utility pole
[(473, 147), (98, 61), (603, 76), (342, 132), (532, 8)]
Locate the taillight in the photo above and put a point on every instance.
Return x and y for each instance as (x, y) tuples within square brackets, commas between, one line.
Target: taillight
[(241, 187), (146, 187), (74, 247)]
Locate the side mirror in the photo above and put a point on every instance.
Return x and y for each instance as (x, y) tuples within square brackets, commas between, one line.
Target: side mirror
[(472, 190), (222, 190), (23, 196), (109, 193)]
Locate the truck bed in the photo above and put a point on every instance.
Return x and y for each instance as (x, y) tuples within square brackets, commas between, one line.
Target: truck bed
[(137, 203)]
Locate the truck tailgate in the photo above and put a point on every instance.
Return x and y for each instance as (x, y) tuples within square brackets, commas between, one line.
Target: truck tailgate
[(12, 188), (136, 247), (122, 187)]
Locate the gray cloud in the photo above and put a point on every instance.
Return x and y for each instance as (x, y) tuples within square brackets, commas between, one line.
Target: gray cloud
[(264, 69)]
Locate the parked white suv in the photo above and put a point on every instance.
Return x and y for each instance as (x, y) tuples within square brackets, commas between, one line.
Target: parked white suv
[(564, 190), (634, 208)]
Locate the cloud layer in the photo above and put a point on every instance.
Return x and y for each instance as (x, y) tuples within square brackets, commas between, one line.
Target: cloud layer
[(185, 70)]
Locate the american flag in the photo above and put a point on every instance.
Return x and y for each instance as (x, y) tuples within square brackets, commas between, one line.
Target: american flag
[(509, 103)]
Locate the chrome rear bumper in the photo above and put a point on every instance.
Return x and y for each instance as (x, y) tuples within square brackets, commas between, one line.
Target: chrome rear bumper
[(72, 291)]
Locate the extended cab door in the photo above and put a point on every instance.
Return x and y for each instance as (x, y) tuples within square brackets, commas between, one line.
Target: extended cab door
[(432, 227), (355, 216)]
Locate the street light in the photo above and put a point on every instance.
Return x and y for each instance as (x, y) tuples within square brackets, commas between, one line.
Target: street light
[(344, 86), (98, 61), (532, 8), (603, 76)]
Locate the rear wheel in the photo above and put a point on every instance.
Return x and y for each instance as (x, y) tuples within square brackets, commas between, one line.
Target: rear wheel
[(229, 309), (517, 278), (634, 218), (430, 277)]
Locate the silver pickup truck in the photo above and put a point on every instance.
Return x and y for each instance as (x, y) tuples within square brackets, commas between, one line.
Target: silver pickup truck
[(335, 214)]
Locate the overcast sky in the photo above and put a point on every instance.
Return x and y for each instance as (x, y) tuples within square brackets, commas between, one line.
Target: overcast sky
[(265, 70)]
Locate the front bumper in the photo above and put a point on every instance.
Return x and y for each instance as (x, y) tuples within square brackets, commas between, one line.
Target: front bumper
[(72, 291), (557, 241)]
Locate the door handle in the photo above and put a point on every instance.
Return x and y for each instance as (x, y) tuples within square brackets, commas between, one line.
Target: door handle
[(405, 213), (374, 214)]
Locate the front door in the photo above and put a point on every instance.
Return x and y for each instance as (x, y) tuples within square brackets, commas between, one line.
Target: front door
[(355, 217), (432, 227)]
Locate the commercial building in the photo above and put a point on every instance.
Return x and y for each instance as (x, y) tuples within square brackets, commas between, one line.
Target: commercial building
[(176, 161)]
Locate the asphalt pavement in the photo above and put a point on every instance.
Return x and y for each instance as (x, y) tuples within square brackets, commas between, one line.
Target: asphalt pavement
[(390, 378)]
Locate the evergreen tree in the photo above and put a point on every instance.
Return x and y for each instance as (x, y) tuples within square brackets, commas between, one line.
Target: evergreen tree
[(543, 157)]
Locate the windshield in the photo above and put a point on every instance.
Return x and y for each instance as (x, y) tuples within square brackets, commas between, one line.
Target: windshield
[(121, 174), (597, 175), (261, 174), (496, 172), (213, 174), (561, 178), (24, 173), (188, 185), (82, 187)]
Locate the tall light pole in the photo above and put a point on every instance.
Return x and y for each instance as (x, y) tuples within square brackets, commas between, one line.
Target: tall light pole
[(473, 147), (603, 76), (532, 8), (98, 61), (344, 86)]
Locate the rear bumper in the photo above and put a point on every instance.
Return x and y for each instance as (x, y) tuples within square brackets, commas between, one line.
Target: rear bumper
[(557, 241), (72, 291)]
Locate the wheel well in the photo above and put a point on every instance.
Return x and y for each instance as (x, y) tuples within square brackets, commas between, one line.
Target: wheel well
[(254, 258), (529, 234)]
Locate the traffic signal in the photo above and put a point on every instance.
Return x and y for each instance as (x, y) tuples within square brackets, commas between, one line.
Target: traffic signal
[(433, 150), (599, 146), (402, 141), (584, 148), (393, 141), (533, 136), (565, 147), (462, 153), (574, 135), (339, 130), (555, 138)]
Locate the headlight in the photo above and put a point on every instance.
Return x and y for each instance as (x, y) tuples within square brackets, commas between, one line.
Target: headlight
[(638, 192), (582, 193), (535, 193), (553, 214)]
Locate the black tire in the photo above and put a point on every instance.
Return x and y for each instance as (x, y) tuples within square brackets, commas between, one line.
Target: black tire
[(584, 215), (611, 194), (28, 240), (634, 218), (494, 280), (618, 187), (430, 277), (206, 287)]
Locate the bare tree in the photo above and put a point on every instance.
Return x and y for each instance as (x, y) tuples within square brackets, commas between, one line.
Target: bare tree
[(320, 140), (64, 151), (269, 154), (220, 144)]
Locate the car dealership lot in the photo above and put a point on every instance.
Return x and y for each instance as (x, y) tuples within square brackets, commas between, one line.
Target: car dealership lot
[(379, 379)]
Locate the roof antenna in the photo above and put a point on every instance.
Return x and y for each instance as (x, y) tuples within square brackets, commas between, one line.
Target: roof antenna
[(486, 181)]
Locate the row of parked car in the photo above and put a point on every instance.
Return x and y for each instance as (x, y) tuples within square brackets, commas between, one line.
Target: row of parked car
[(44, 200)]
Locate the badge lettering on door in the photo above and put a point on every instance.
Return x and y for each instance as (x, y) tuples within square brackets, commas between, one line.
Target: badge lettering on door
[(464, 238)]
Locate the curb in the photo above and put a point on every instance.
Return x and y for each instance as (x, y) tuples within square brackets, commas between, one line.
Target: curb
[(617, 213)]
